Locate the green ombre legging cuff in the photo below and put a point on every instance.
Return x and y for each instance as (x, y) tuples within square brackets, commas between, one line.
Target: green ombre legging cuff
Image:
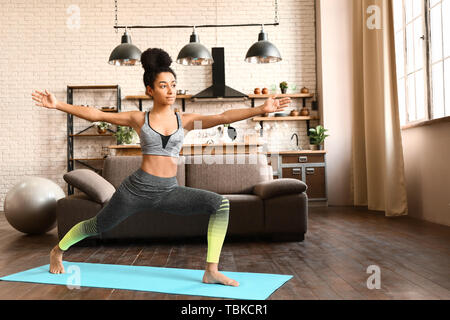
[(78, 232), (217, 229)]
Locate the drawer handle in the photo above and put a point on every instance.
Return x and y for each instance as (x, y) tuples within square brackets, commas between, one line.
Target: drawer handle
[(297, 171), (303, 159), (309, 170)]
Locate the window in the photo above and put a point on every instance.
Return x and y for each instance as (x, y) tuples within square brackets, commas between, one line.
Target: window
[(440, 57), (422, 45)]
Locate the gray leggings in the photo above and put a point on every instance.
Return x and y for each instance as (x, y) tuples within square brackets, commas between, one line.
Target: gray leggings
[(142, 190)]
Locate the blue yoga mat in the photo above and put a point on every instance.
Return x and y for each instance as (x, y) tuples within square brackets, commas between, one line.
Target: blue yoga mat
[(252, 286)]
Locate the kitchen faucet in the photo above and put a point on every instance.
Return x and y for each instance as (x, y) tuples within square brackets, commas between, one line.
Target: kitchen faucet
[(296, 136)]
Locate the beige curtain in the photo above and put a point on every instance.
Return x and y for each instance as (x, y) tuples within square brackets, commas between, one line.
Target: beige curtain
[(378, 177)]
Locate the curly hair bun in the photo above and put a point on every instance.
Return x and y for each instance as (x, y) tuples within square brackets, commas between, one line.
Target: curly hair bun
[(154, 59)]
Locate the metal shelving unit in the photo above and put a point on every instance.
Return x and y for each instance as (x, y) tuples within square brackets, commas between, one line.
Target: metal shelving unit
[(71, 135)]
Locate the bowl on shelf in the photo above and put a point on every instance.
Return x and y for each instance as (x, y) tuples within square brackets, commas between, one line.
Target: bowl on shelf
[(281, 114)]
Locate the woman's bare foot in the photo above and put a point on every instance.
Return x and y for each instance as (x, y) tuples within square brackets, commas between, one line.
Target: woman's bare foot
[(217, 277), (56, 265)]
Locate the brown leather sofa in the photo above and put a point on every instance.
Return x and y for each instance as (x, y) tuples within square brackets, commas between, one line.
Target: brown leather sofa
[(259, 205)]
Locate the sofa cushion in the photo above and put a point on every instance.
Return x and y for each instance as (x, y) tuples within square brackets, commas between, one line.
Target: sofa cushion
[(91, 183), (279, 187), (246, 214), (286, 214), (117, 168), (227, 174)]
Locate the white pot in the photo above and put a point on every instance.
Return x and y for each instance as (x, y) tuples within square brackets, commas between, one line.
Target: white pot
[(225, 138)]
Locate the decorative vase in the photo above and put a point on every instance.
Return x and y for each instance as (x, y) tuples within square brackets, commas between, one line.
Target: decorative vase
[(304, 112), (283, 90), (225, 138), (101, 131)]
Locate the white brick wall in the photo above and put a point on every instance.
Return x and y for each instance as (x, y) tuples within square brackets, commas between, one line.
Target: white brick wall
[(40, 51)]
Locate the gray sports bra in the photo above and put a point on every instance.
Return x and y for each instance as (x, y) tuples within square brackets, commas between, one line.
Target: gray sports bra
[(155, 143)]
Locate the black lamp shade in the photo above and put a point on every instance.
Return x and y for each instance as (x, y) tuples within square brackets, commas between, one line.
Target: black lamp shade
[(263, 51), (194, 53), (125, 54)]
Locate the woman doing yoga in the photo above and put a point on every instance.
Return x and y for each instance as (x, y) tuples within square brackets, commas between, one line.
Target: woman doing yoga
[(154, 184)]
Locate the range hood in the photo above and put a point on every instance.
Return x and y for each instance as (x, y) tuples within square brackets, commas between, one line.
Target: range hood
[(219, 91)]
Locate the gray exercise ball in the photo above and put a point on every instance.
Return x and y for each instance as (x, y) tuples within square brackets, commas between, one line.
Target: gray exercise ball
[(30, 206)]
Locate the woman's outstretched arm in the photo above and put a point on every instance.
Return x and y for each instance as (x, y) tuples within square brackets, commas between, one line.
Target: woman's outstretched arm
[(85, 112), (272, 104), (48, 100), (207, 121)]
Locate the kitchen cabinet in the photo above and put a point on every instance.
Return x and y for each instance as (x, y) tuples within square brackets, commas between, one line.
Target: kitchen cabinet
[(305, 165)]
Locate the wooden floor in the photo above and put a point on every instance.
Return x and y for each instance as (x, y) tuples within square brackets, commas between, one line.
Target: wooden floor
[(341, 243)]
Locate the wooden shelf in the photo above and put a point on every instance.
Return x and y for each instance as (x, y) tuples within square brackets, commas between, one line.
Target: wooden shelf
[(102, 109), (145, 97), (86, 159), (281, 95), (91, 135), (289, 118), (140, 98), (125, 146), (251, 96), (108, 109), (114, 86), (296, 152)]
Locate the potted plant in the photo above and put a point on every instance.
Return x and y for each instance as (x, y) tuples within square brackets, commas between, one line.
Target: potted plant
[(124, 135), (102, 126), (283, 86), (317, 137)]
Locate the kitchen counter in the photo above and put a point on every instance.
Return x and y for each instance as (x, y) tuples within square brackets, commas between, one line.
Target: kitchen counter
[(297, 152), (189, 149), (235, 147)]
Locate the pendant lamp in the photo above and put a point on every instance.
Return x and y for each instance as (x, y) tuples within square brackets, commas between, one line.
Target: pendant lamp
[(125, 54), (263, 51), (194, 53)]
